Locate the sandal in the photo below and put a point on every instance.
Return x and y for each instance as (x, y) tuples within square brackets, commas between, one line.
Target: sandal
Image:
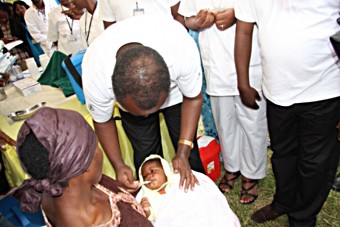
[(245, 191), (225, 183)]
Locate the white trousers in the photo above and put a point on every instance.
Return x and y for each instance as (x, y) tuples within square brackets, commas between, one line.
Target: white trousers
[(243, 135)]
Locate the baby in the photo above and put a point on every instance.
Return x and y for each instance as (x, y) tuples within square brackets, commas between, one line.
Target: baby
[(165, 204)]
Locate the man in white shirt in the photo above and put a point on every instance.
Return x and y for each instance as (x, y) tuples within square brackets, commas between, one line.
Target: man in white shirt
[(37, 23), (91, 26), (302, 85), (180, 105), (63, 30)]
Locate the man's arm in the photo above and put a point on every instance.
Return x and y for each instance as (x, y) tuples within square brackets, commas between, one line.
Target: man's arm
[(176, 15), (243, 45), (190, 114), (108, 24), (5, 139), (108, 138)]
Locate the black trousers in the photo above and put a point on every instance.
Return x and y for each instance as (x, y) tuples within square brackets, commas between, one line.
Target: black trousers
[(305, 157), (145, 135)]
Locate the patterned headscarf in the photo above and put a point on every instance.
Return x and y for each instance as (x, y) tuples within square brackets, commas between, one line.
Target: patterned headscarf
[(71, 144)]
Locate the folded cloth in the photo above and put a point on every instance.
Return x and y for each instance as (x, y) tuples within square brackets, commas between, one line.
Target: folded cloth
[(55, 76)]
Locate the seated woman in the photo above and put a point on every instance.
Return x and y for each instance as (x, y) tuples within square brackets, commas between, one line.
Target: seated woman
[(10, 30), (59, 150)]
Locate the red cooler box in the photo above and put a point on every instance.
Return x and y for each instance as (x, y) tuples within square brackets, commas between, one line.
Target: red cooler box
[(209, 150)]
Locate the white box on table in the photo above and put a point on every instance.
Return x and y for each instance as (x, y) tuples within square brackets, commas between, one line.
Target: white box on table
[(27, 86)]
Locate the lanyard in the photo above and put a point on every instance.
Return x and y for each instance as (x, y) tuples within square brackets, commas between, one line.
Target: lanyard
[(87, 33), (70, 26)]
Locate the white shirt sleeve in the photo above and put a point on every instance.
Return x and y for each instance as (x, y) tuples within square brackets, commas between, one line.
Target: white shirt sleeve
[(188, 67), (187, 8), (105, 11), (244, 10)]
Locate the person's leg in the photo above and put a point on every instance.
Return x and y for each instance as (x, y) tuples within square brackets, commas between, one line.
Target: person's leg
[(144, 135), (254, 128), (253, 153), (172, 117), (228, 128), (283, 128), (318, 158)]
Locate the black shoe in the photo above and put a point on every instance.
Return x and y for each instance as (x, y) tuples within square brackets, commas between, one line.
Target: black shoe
[(264, 214), (336, 184)]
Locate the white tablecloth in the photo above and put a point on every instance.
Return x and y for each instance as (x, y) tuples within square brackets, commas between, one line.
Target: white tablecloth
[(53, 97)]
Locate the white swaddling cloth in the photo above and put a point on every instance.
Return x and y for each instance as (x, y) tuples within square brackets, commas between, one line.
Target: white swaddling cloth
[(205, 206)]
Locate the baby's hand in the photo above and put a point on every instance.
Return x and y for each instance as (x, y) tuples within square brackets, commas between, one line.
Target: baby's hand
[(146, 206)]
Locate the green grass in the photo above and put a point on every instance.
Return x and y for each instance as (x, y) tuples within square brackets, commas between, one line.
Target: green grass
[(328, 216)]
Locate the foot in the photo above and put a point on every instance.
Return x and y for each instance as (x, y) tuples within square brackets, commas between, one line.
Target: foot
[(228, 180), (336, 184), (249, 190), (264, 214)]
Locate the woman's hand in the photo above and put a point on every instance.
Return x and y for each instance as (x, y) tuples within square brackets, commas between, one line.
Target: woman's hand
[(224, 18)]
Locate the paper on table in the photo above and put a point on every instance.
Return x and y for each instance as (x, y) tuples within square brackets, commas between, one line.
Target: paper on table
[(13, 44)]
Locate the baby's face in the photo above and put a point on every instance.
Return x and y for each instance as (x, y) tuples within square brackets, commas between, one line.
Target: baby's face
[(153, 171)]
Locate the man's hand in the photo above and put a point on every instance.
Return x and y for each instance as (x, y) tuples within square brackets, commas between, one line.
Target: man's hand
[(249, 96), (181, 166), (204, 19), (124, 175), (146, 206), (5, 139)]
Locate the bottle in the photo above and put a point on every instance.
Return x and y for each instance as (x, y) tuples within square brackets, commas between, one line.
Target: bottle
[(15, 73), (33, 68)]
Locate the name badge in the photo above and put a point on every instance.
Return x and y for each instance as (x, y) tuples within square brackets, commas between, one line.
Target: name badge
[(72, 38), (138, 11)]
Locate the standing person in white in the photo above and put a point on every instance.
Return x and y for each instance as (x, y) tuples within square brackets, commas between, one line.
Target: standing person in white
[(242, 131), (111, 11), (91, 26), (37, 23), (302, 85), (63, 30)]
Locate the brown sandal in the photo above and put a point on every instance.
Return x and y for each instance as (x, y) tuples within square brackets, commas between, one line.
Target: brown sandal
[(225, 183)]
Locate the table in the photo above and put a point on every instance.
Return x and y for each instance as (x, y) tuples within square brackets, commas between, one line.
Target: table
[(55, 98)]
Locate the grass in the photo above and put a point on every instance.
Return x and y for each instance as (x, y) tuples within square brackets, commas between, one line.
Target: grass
[(328, 216)]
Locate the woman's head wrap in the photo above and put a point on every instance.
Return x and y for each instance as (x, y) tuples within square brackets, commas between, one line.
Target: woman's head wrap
[(70, 143)]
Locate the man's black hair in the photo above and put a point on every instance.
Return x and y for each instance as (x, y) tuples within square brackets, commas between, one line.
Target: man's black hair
[(141, 73)]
